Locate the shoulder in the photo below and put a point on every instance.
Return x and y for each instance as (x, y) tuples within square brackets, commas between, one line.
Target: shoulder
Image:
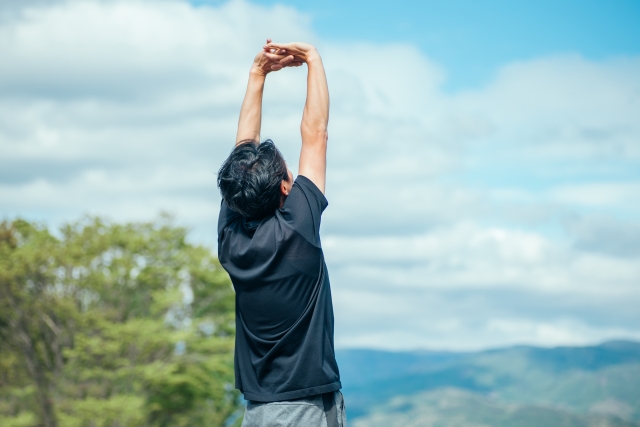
[(310, 190), (302, 210), (226, 216)]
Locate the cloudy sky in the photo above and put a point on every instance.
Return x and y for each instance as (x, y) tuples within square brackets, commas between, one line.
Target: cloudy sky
[(484, 160)]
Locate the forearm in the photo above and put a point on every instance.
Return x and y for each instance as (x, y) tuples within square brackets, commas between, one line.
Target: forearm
[(250, 119), (315, 117)]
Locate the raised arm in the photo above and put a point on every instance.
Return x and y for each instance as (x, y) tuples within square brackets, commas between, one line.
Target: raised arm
[(315, 118), (250, 119)]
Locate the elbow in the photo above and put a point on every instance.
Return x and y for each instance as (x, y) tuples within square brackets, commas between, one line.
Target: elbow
[(322, 135), (318, 134)]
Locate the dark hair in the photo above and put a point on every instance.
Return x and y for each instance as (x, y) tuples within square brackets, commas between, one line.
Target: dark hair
[(250, 178)]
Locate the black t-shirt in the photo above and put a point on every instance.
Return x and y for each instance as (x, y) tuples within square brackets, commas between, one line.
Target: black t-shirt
[(284, 314)]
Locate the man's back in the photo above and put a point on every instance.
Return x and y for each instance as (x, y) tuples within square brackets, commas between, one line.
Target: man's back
[(284, 313), (269, 243)]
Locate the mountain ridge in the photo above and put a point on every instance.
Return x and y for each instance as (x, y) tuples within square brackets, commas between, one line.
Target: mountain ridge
[(582, 381)]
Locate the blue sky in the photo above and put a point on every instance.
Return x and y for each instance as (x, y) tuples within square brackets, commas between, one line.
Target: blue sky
[(484, 157), (471, 39)]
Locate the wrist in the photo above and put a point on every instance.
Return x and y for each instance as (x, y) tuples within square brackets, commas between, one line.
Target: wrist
[(257, 74), (312, 56)]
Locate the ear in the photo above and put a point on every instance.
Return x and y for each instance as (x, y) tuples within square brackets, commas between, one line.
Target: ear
[(284, 188)]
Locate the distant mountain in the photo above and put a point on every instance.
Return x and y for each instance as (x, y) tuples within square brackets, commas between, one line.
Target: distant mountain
[(459, 408), (574, 381)]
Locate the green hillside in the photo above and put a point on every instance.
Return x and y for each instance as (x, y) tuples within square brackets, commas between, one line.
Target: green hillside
[(459, 408), (573, 382)]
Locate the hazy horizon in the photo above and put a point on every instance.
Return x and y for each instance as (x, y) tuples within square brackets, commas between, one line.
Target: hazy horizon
[(484, 160)]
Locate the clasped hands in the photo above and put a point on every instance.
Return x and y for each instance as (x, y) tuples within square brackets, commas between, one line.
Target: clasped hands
[(276, 56)]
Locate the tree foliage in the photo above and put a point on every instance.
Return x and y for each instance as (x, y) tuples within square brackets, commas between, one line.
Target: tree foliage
[(113, 325)]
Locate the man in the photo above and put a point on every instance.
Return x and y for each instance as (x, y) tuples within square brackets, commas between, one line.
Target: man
[(269, 243)]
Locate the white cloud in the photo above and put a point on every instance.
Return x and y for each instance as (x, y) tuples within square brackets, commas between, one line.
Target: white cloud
[(563, 103), (445, 209), (606, 234), (467, 256), (626, 194), (402, 320)]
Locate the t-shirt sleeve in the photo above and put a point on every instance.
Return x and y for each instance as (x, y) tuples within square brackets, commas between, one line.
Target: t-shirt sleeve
[(303, 208), (227, 216)]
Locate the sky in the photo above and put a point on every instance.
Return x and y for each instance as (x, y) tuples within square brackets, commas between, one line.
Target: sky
[(484, 157)]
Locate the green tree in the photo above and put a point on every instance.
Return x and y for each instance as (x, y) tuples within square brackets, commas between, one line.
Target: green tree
[(113, 325)]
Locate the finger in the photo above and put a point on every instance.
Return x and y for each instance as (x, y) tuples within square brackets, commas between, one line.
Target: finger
[(276, 67), (265, 48), (274, 57), (286, 60), (276, 45), (273, 49), (277, 49)]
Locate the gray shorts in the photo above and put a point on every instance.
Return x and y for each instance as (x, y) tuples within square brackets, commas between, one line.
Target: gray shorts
[(309, 411)]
